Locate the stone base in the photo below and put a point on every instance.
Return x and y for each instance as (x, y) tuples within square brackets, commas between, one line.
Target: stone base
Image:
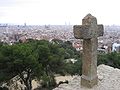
[(89, 83)]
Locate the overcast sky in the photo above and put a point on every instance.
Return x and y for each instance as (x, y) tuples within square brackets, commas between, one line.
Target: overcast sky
[(59, 11)]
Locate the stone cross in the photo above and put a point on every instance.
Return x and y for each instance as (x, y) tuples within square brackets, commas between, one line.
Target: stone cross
[(89, 31)]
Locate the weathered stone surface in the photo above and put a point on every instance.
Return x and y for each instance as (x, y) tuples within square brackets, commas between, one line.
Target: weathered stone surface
[(88, 82), (100, 30), (108, 79), (89, 20), (89, 67), (89, 31), (17, 84), (82, 31)]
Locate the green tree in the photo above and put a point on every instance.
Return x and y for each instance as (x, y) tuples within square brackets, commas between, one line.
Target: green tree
[(22, 60), (5, 63), (38, 59), (111, 59), (51, 56), (26, 64)]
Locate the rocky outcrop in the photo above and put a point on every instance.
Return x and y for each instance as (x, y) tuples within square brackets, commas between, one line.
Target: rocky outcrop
[(14, 84), (17, 84), (109, 79)]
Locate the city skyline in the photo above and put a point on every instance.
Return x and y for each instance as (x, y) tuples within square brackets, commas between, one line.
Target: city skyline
[(54, 12)]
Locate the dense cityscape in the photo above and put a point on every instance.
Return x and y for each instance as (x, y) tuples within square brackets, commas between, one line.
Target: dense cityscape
[(11, 34)]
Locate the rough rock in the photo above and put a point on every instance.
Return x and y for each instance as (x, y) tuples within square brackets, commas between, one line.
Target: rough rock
[(17, 84), (109, 79)]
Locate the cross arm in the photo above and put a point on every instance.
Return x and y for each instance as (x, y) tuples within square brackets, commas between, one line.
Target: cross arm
[(100, 30), (81, 31), (87, 32)]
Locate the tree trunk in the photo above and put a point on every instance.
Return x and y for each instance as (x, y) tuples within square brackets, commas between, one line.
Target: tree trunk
[(28, 84), (27, 81)]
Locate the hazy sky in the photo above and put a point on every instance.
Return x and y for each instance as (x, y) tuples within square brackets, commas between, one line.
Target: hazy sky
[(58, 11)]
